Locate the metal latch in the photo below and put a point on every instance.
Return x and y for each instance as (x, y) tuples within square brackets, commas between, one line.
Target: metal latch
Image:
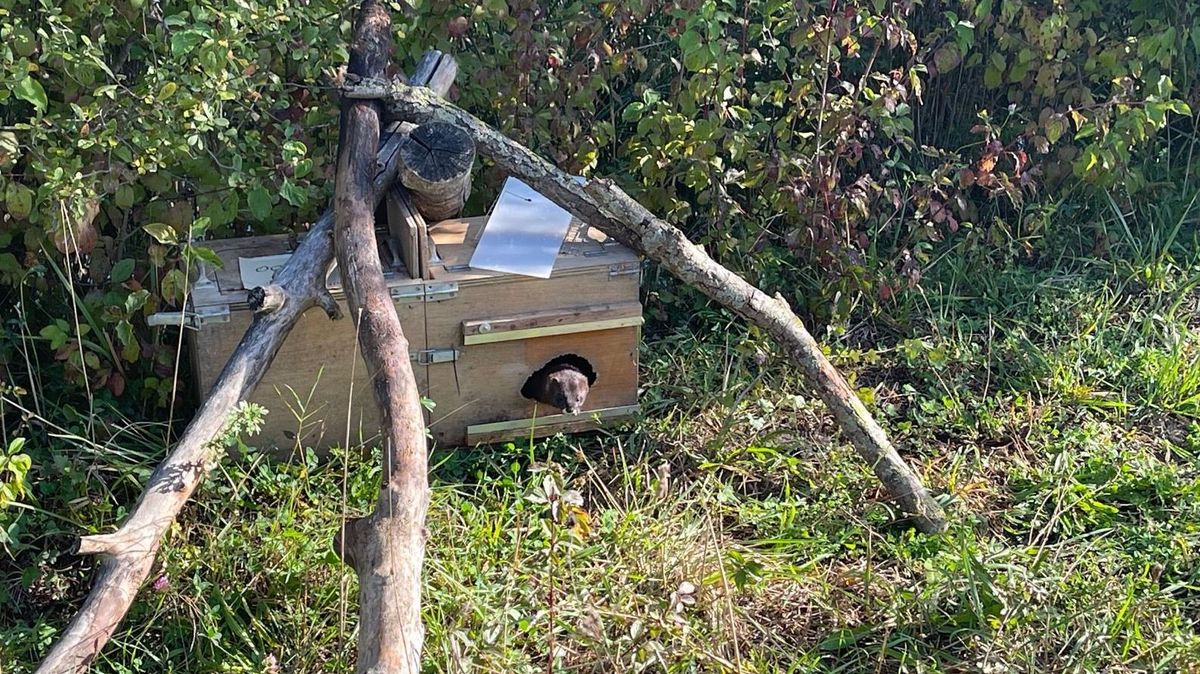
[(434, 356), (193, 320), (425, 292), (624, 269)]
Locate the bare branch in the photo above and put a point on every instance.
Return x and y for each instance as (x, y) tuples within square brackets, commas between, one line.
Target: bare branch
[(605, 206), (128, 554)]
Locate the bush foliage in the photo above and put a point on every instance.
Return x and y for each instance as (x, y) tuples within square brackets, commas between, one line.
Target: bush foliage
[(824, 149)]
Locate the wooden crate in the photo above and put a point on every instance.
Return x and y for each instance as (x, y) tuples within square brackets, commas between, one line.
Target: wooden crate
[(474, 335)]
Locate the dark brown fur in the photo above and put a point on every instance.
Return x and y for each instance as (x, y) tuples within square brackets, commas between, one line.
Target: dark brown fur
[(564, 383)]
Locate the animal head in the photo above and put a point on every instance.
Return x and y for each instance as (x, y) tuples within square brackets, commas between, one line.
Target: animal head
[(564, 382), (568, 389)]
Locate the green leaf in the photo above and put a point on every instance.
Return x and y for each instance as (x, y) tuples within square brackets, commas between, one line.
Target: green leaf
[(633, 111), (185, 41), (10, 269), (843, 638), (125, 332), (992, 78), (131, 349), (259, 200), (24, 41), (303, 168), (198, 228), (1178, 107), (207, 255), (166, 91), (295, 195), (29, 89), (173, 284), (294, 150), (125, 197), (1055, 127), (56, 334), (689, 42), (19, 200), (136, 300), (122, 270), (162, 232)]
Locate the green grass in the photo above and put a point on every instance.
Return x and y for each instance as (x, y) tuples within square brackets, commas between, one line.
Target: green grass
[(731, 529)]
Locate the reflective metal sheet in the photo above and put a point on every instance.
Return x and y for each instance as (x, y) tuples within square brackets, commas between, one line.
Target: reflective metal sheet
[(523, 234)]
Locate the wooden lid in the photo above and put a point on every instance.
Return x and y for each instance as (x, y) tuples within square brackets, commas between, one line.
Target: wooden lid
[(584, 250)]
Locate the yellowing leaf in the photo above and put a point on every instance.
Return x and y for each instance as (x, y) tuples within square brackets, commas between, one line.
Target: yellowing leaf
[(19, 200), (162, 232)]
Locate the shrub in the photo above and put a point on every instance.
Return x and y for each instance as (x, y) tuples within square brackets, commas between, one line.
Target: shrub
[(824, 149)]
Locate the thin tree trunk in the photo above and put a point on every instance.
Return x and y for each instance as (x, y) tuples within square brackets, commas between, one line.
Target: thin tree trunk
[(127, 554), (605, 206), (386, 548)]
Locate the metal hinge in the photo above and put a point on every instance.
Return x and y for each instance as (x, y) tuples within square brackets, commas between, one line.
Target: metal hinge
[(193, 320), (624, 269), (434, 356), (425, 292)]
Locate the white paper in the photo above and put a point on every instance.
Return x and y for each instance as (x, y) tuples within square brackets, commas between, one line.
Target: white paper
[(260, 271), (523, 234)]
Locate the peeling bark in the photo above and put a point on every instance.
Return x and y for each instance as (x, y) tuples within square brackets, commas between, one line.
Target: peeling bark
[(127, 555), (386, 548)]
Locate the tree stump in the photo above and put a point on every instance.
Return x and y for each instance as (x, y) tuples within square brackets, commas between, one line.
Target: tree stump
[(435, 165)]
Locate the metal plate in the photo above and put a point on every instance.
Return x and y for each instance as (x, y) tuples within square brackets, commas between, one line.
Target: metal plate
[(523, 234)]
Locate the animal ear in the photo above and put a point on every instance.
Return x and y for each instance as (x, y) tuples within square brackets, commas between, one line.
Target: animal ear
[(576, 361)]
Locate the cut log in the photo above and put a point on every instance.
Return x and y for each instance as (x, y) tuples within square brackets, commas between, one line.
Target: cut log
[(386, 549), (605, 206), (127, 554), (435, 166)]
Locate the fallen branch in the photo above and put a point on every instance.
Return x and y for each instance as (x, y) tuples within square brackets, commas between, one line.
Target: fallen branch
[(605, 206), (128, 554), (386, 548)]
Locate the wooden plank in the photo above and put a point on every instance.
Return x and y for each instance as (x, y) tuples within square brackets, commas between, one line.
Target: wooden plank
[(483, 386), (425, 254), (444, 75), (589, 326), (426, 67), (407, 227), (582, 252), (540, 427), (552, 322), (314, 391)]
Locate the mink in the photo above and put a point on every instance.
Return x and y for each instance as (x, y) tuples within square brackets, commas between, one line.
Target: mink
[(564, 383)]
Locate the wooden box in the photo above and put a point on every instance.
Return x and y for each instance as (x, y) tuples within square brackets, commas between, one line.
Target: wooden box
[(475, 336)]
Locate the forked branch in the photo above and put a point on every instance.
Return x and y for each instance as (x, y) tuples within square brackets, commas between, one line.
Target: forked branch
[(127, 554), (386, 548)]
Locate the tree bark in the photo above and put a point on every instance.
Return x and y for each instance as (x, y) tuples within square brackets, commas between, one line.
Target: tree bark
[(435, 166), (605, 206), (386, 548), (127, 554)]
